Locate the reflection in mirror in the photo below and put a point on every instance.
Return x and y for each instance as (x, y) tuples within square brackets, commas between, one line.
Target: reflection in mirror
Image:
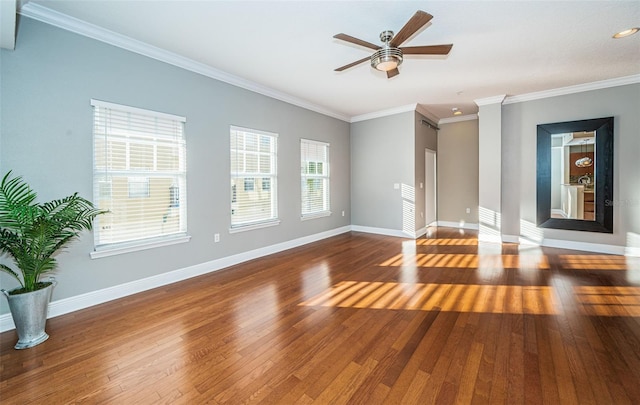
[(575, 175)]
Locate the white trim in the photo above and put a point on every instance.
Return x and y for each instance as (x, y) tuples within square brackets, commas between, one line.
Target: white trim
[(320, 143), (51, 17), (584, 246), (556, 211), (381, 231), (483, 237), (490, 100), (422, 231), (252, 131), (420, 109), (632, 251), (602, 84), (107, 251), (460, 225), (250, 227), (8, 24), (510, 239), (384, 113), (135, 110), (315, 215), (451, 120), (82, 301)]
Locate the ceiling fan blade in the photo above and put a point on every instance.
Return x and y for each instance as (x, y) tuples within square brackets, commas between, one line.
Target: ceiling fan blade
[(353, 40), (427, 50), (340, 69), (419, 19), (393, 72)]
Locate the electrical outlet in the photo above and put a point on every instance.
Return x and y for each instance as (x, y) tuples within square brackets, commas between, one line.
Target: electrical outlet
[(343, 213), (468, 210), (216, 237)]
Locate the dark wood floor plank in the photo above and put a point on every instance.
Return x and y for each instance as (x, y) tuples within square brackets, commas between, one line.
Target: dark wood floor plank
[(355, 319)]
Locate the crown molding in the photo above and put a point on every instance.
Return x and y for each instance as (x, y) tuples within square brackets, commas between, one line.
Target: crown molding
[(8, 24), (490, 100), (460, 118), (384, 113), (602, 84), (426, 113), (68, 23)]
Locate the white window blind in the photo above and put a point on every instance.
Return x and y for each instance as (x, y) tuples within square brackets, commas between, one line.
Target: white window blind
[(314, 169), (253, 178), (139, 175)]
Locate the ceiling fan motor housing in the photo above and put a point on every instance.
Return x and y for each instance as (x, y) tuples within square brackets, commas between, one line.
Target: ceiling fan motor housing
[(387, 57)]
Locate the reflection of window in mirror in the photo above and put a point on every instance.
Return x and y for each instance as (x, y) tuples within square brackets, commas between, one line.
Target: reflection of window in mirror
[(573, 175)]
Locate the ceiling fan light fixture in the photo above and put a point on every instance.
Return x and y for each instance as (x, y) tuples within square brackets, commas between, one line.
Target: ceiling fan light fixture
[(386, 59), (585, 161), (626, 33)]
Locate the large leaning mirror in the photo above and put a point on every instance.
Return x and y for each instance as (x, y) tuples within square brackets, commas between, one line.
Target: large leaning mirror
[(575, 175)]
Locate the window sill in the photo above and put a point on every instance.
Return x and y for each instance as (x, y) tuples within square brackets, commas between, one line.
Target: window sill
[(129, 248), (254, 226), (315, 215)]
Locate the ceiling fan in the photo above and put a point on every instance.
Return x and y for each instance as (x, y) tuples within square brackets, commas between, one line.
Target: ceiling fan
[(388, 57)]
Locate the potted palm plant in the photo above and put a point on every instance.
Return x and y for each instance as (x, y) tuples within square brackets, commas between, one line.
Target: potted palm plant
[(31, 234)]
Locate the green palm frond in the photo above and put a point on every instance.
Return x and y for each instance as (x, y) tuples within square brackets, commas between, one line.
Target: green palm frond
[(31, 233)]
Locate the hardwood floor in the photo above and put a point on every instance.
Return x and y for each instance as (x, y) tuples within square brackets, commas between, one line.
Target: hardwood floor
[(357, 319)]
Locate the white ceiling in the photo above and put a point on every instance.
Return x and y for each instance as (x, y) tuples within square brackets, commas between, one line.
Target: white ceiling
[(500, 47)]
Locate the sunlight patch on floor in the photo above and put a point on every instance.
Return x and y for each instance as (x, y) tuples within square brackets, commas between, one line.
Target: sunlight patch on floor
[(467, 261), (592, 262), (496, 299)]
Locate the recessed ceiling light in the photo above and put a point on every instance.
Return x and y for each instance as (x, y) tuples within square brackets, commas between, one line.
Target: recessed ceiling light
[(456, 111), (626, 33)]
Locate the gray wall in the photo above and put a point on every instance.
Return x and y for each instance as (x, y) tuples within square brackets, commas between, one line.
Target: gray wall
[(46, 136), (458, 172), (519, 124), (382, 153)]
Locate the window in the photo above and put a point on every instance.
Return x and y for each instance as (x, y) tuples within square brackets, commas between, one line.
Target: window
[(138, 187), (314, 168), (139, 175), (253, 178)]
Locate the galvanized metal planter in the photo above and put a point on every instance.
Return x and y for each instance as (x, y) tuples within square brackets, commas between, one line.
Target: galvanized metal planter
[(29, 312)]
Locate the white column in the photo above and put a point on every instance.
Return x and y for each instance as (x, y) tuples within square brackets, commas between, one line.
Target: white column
[(490, 168)]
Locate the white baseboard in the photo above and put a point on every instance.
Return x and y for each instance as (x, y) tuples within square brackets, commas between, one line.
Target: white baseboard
[(558, 212), (381, 231), (510, 239), (585, 246), (632, 251), (461, 225), (82, 301), (489, 238)]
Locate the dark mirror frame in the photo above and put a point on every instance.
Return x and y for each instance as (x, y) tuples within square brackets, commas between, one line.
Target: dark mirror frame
[(603, 175)]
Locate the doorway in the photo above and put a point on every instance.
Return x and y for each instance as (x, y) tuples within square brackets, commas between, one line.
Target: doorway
[(430, 189)]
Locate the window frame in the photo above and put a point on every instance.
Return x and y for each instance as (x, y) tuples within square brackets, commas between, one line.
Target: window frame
[(105, 175), (256, 178), (325, 178)]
